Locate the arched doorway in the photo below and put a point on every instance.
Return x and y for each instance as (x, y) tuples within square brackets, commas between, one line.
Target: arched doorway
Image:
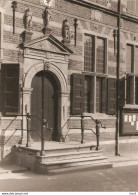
[(44, 105)]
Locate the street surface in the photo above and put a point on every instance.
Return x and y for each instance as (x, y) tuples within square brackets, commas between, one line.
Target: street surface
[(109, 180)]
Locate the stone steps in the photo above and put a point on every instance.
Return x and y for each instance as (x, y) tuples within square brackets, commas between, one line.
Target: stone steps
[(69, 155), (63, 158), (79, 168)]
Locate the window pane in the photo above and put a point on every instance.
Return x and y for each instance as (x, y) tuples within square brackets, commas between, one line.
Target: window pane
[(136, 90), (89, 53), (100, 58), (129, 59), (87, 84), (98, 95), (136, 60), (131, 5)]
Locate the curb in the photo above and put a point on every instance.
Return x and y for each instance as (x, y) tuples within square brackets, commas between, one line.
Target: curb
[(4, 171)]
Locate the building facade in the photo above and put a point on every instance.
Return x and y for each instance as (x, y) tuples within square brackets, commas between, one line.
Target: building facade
[(64, 58)]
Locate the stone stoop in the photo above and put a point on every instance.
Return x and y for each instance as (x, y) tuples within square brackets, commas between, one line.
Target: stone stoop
[(61, 160)]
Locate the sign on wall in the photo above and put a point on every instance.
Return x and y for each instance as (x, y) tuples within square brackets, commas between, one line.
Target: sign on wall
[(129, 122)]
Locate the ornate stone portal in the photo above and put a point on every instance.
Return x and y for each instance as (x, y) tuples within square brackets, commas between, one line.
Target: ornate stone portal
[(53, 62)]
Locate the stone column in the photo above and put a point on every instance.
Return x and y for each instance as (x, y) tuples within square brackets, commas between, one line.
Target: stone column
[(26, 109), (62, 115)]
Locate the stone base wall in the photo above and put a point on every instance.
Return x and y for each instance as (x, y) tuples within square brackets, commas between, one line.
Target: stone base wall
[(10, 134)]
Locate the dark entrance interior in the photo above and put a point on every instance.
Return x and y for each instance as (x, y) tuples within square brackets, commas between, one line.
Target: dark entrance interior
[(44, 100)]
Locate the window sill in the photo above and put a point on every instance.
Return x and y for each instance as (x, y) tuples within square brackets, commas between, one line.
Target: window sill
[(130, 106), (94, 116), (99, 115), (95, 74)]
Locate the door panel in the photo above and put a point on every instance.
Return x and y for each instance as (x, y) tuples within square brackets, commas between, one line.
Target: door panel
[(48, 106)]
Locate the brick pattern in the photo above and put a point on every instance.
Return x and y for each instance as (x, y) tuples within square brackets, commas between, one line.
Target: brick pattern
[(108, 123), (8, 37), (10, 124), (75, 65), (130, 26), (11, 55)]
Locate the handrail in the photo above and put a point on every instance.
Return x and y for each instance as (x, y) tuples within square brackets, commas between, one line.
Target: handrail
[(98, 124)]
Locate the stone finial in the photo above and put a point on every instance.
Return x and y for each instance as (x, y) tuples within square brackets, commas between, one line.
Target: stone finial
[(27, 20)]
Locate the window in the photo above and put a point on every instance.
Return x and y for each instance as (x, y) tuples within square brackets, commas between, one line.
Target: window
[(9, 88), (94, 46), (132, 74), (132, 7), (92, 89)]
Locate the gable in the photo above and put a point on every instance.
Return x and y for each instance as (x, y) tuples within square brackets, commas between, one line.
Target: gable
[(50, 44)]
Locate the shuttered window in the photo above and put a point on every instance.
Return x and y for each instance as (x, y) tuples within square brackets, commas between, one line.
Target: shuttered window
[(83, 97), (9, 88), (92, 87)]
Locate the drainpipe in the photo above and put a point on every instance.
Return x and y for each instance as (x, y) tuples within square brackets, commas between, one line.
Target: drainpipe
[(117, 83)]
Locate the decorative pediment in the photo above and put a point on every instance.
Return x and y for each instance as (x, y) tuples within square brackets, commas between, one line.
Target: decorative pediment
[(50, 44)]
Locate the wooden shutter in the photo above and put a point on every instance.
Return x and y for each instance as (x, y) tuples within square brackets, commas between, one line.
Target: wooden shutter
[(104, 95), (10, 87), (122, 91), (111, 102), (77, 93), (130, 89)]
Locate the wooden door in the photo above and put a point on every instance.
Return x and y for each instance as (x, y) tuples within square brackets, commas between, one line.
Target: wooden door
[(48, 106)]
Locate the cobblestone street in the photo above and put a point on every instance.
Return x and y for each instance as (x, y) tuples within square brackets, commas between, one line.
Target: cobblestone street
[(123, 179)]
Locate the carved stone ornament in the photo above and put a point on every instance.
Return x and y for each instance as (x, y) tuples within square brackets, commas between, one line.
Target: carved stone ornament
[(66, 31), (46, 16), (96, 15), (47, 3), (27, 20), (47, 65)]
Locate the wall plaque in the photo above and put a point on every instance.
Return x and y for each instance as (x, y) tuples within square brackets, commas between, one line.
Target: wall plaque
[(129, 122)]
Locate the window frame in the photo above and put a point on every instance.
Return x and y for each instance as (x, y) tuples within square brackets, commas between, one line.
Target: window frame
[(94, 75), (131, 75), (8, 109)]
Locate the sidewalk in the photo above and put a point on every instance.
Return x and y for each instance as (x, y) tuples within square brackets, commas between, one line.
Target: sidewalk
[(123, 160), (11, 168)]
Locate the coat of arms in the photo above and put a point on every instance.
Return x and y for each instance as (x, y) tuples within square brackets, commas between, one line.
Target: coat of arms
[(47, 3)]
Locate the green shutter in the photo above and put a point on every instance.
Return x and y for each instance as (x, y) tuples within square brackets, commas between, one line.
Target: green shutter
[(10, 87), (111, 96), (77, 93)]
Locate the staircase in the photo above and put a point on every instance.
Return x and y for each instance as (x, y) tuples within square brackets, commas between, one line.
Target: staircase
[(68, 158)]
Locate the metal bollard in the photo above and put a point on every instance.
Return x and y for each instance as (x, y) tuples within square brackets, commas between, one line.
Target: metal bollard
[(98, 123), (82, 129), (28, 144)]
